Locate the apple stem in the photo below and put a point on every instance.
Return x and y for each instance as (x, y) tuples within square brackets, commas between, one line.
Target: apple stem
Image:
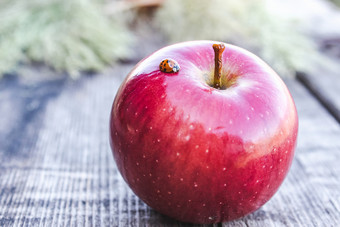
[(218, 49)]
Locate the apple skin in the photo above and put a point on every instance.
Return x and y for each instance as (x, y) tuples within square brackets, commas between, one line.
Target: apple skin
[(200, 154)]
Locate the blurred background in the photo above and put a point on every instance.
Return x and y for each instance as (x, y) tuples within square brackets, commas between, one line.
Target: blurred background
[(75, 36), (62, 61)]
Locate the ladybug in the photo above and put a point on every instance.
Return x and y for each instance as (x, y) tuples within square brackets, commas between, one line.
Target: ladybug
[(169, 66)]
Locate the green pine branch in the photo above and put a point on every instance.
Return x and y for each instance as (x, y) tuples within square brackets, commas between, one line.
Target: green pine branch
[(68, 35)]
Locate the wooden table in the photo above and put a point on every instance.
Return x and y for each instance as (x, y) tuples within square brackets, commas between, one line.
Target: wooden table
[(56, 166)]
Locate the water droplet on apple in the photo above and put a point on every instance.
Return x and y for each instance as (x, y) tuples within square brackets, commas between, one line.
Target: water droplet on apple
[(187, 138), (150, 128), (206, 151), (197, 146), (177, 154), (169, 193), (158, 140), (195, 185), (137, 163), (181, 179), (203, 204), (191, 127), (248, 118)]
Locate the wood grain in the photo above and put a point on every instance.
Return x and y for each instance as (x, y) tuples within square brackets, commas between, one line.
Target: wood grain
[(56, 167)]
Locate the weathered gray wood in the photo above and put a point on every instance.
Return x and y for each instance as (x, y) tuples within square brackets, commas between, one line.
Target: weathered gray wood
[(324, 83), (56, 167)]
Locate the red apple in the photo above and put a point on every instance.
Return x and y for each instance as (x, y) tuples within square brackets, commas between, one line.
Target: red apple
[(198, 151)]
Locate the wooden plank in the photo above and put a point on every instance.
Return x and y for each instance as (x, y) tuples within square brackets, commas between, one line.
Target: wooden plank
[(324, 84), (59, 171)]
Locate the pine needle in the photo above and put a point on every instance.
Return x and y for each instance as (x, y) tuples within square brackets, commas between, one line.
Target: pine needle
[(68, 35)]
